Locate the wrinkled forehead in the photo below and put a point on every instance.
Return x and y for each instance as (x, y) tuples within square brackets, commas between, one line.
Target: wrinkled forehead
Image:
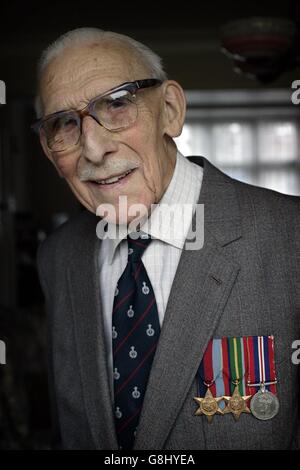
[(79, 73)]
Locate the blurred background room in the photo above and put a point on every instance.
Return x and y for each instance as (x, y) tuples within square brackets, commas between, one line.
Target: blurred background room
[(239, 63)]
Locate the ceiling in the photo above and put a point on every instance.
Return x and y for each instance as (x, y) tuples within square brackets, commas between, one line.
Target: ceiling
[(57, 16), (186, 36)]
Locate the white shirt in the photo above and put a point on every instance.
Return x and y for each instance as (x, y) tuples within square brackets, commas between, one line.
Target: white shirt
[(162, 256)]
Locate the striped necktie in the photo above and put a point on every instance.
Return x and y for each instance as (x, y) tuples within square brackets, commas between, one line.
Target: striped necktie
[(135, 334)]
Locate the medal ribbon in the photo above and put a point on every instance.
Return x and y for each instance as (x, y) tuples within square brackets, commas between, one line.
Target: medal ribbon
[(206, 372), (236, 364), (218, 365), (247, 359), (261, 363), (210, 370)]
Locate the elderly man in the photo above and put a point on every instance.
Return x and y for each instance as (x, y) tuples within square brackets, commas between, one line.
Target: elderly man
[(154, 343)]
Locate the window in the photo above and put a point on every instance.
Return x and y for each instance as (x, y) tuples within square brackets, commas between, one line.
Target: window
[(252, 136)]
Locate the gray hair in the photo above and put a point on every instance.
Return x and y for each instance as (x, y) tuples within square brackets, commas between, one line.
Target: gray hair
[(81, 36)]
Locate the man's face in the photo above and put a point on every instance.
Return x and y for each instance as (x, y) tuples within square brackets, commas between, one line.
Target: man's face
[(70, 81)]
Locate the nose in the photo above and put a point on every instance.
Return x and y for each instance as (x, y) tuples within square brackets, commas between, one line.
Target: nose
[(96, 141)]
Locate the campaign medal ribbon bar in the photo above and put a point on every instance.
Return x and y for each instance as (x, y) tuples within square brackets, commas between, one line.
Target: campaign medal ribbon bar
[(237, 375)]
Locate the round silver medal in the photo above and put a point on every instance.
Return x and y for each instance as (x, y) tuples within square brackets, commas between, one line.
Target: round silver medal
[(264, 405)]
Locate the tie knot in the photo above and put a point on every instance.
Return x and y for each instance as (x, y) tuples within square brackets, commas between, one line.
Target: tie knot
[(137, 246)]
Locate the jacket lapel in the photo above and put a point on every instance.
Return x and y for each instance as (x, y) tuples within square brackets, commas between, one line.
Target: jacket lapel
[(193, 310), (83, 278)]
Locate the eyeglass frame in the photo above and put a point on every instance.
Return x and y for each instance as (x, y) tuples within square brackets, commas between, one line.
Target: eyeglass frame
[(132, 87)]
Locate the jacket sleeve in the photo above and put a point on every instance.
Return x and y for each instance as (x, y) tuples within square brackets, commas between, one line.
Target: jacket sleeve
[(43, 257)]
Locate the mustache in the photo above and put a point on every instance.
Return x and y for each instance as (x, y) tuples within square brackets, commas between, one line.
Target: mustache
[(91, 171)]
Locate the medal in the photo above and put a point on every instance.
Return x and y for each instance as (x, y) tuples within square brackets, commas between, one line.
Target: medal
[(264, 404), (236, 404), (208, 406)]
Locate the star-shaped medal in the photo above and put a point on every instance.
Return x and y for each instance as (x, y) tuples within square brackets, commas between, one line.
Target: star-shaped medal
[(208, 405), (236, 404)]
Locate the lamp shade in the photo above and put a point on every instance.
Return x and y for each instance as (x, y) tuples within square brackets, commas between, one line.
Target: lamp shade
[(258, 44), (258, 37)]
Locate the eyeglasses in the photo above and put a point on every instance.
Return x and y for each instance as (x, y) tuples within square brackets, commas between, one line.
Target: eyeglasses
[(115, 110)]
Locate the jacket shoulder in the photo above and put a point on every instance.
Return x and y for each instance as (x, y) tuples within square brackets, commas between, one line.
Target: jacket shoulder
[(267, 199)]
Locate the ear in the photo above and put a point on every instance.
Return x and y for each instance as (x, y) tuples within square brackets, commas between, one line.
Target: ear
[(48, 152), (174, 106)]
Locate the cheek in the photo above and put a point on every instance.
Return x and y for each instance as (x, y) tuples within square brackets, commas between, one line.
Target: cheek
[(65, 164), (151, 167), (148, 149)]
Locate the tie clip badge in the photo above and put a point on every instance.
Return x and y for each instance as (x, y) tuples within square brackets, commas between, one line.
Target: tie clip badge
[(237, 375)]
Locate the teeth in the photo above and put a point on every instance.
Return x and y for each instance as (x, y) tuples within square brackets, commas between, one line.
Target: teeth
[(111, 180), (114, 179)]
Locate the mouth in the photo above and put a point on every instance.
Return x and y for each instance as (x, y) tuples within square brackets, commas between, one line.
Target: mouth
[(113, 181)]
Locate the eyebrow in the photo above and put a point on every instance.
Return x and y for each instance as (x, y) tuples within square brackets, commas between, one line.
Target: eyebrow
[(69, 110), (84, 102)]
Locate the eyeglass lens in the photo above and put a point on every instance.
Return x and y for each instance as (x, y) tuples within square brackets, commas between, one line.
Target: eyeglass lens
[(113, 111)]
